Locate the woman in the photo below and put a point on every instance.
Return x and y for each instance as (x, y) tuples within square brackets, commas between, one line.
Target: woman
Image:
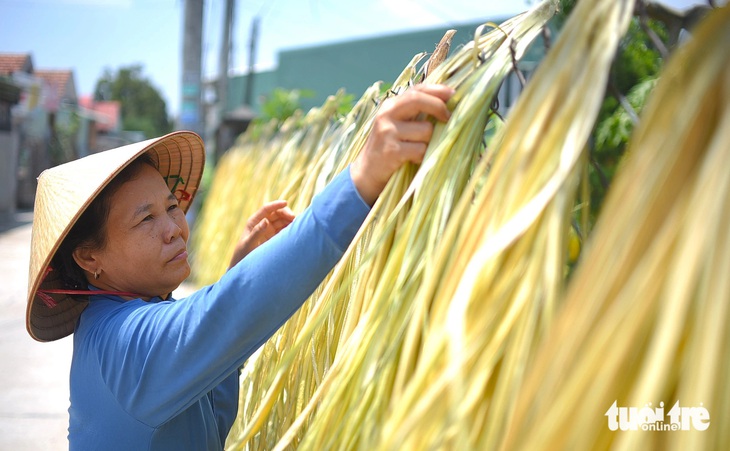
[(109, 247)]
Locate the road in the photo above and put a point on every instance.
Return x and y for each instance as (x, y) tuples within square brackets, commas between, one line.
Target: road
[(33, 375)]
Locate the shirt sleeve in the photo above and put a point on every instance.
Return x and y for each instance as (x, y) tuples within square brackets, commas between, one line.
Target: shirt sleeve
[(159, 358)]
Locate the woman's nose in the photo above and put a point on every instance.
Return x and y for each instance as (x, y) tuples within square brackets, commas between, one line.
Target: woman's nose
[(173, 230)]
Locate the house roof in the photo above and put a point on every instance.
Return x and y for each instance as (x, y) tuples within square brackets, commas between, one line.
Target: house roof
[(15, 62), (86, 101), (59, 81), (356, 64), (112, 112), (107, 113)]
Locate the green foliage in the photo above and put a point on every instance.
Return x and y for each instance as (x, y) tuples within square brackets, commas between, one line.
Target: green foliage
[(637, 59), (282, 104), (614, 131), (347, 102), (143, 108), (564, 9), (633, 75)]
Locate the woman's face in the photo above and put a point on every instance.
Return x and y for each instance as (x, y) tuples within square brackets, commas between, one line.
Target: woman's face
[(146, 242)]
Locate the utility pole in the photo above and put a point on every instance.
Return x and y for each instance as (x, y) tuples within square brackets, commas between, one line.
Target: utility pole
[(191, 111), (222, 133), (225, 61), (251, 61)]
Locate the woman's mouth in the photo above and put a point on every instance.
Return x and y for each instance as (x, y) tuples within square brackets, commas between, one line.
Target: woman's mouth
[(183, 255)]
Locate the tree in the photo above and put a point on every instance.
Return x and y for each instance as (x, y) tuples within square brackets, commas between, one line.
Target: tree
[(143, 108), (283, 103), (651, 36)]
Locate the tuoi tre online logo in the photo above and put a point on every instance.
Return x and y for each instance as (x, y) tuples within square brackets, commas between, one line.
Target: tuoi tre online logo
[(646, 418)]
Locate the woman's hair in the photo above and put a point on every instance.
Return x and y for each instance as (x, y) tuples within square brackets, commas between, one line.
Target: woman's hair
[(90, 229)]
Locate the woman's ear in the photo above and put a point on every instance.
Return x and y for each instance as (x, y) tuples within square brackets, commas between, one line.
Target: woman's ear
[(85, 258)]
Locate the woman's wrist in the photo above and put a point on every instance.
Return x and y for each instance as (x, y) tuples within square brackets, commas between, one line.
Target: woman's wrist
[(368, 188)]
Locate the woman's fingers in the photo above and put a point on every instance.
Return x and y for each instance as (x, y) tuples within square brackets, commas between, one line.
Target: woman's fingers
[(271, 210), (413, 151), (269, 220), (443, 92), (259, 231), (423, 99), (280, 223), (414, 131), (399, 134), (268, 227)]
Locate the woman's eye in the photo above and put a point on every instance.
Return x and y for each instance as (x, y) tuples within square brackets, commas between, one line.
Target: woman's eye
[(172, 207), (147, 218)]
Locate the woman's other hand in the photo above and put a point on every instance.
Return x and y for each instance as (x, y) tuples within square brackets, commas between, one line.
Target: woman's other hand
[(265, 223), (400, 133)]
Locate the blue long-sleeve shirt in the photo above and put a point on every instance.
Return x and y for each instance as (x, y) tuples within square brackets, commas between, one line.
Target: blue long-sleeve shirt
[(163, 374)]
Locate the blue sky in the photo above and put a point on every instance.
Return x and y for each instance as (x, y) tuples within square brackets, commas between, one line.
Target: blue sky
[(88, 36)]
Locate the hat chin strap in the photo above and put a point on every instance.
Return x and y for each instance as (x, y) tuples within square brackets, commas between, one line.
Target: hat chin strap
[(47, 299)]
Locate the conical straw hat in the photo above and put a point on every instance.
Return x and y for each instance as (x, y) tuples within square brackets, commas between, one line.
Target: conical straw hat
[(65, 191)]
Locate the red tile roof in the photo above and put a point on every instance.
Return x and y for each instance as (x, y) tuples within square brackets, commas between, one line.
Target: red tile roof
[(15, 62), (110, 109), (57, 80), (86, 101), (108, 113)]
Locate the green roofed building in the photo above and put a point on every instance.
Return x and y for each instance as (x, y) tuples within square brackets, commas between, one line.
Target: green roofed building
[(355, 65)]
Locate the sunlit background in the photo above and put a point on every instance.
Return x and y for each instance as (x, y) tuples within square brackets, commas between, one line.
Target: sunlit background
[(88, 36)]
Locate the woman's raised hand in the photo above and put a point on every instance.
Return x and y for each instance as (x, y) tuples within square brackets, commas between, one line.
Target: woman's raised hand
[(261, 226), (400, 133)]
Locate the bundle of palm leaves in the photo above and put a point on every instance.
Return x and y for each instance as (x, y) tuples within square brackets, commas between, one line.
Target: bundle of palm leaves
[(450, 322)]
